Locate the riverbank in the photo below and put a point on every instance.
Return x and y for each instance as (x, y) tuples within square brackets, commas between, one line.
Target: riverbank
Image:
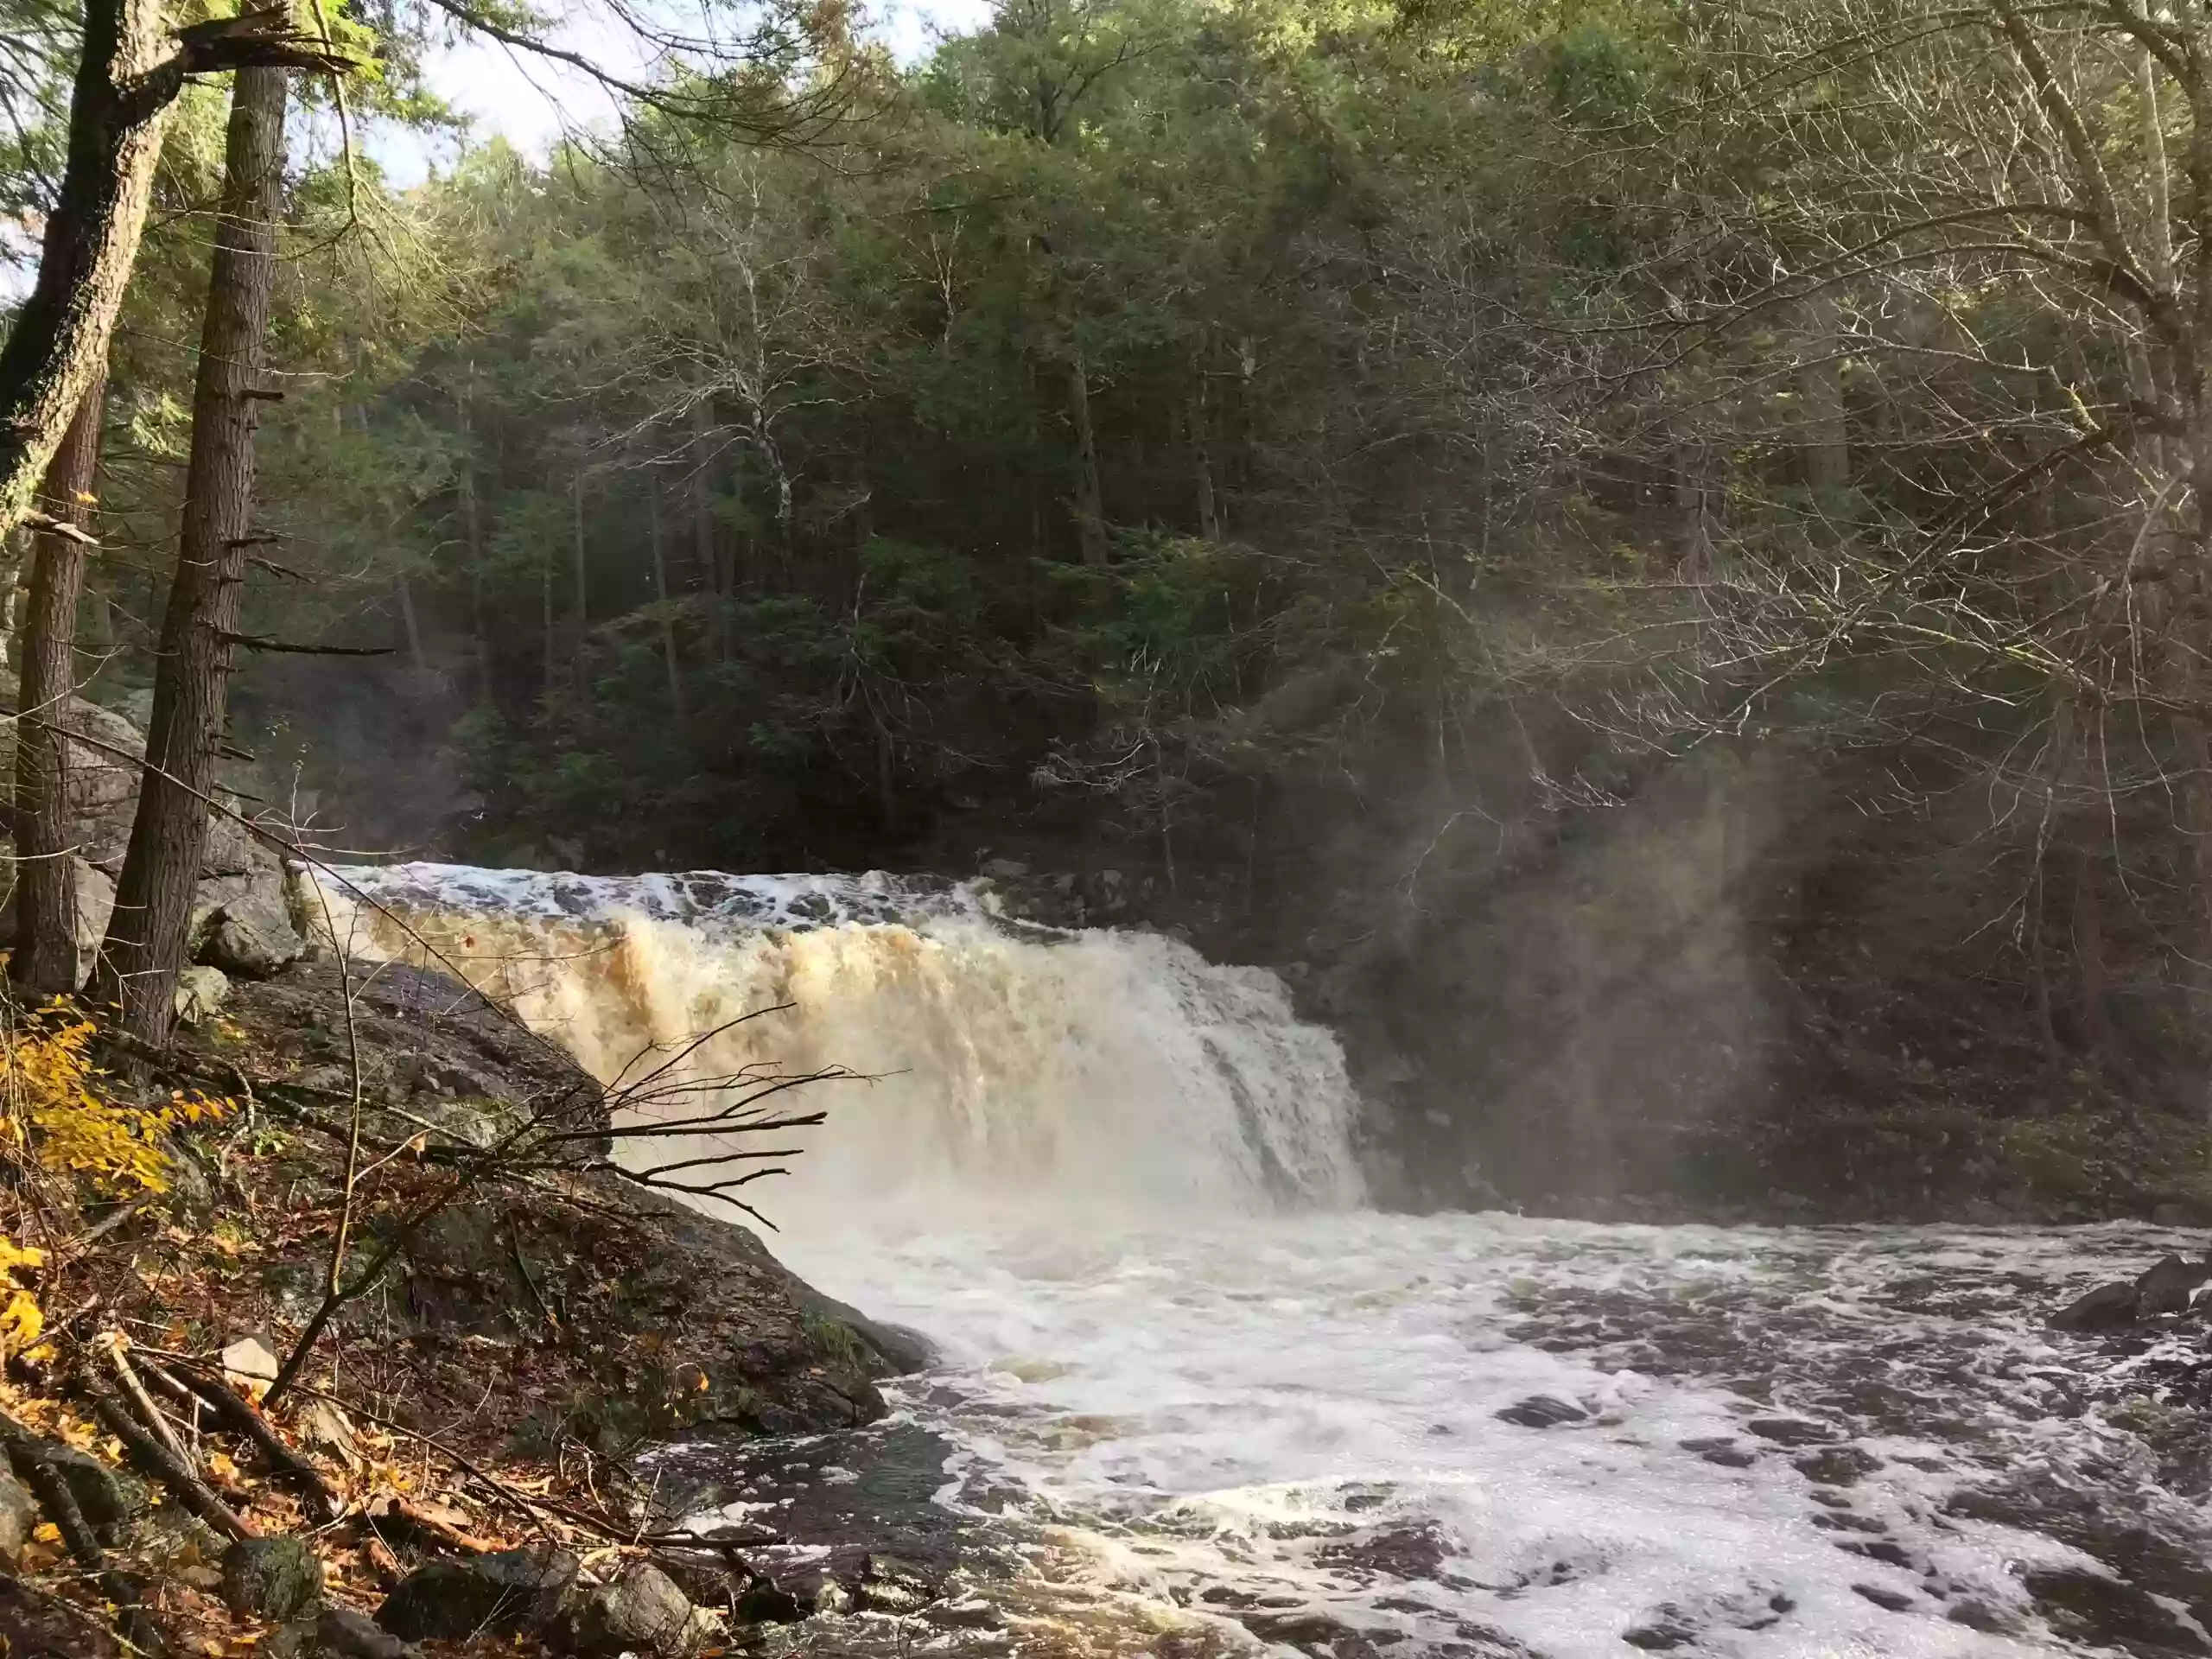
[(515, 1325)]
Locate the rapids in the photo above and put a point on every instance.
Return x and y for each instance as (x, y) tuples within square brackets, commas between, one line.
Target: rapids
[(1116, 1185)]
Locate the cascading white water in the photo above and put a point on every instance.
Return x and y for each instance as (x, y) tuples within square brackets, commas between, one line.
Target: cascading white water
[(1115, 1071), (1115, 1182)]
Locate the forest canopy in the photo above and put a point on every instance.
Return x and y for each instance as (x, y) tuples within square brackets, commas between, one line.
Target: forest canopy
[(1186, 425)]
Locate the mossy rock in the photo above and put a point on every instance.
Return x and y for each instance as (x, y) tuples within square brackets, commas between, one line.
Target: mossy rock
[(271, 1579)]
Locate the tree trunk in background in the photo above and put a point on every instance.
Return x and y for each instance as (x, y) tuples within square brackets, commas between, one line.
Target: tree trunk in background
[(1693, 545), (58, 347), (412, 626), (1089, 502), (472, 527), (545, 605), (1826, 440), (45, 958), (667, 606), (169, 837), (721, 574), (582, 589), (1202, 460)]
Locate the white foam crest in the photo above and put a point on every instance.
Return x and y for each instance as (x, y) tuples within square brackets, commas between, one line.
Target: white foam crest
[(1009, 1065)]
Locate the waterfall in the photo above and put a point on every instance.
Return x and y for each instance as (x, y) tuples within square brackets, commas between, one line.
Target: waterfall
[(1001, 1064)]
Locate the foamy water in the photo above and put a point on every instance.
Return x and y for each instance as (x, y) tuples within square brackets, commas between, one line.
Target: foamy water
[(1242, 1409), (1114, 1182)]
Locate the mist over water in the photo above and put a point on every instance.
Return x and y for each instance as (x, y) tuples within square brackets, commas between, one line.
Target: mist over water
[(1116, 1185)]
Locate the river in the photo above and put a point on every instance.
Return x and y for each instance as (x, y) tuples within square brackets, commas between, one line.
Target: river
[(1116, 1186)]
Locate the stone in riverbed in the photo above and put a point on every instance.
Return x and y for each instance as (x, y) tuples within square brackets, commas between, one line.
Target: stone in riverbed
[(1837, 1465), (2108, 1307), (1792, 1431), (1542, 1411), (1896, 1600), (889, 1584), (2107, 1612), (2165, 1286)]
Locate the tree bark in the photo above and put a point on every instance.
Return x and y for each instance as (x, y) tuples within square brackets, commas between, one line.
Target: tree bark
[(667, 607), (472, 524), (58, 346), (545, 619), (720, 575), (583, 591), (169, 836), (412, 626), (46, 955), (1826, 440), (1202, 460), (1089, 503)]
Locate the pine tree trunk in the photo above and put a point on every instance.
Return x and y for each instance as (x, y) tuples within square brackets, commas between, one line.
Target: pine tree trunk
[(473, 524), (46, 957), (169, 837), (582, 589), (545, 607), (412, 626), (720, 575), (1089, 503), (667, 607), (1202, 460), (58, 346)]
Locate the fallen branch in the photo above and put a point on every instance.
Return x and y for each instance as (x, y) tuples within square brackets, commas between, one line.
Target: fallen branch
[(147, 1453), (239, 1415), (134, 1391), (255, 642), (33, 1460)]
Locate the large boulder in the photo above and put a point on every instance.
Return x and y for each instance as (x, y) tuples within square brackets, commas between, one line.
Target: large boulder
[(511, 1592), (246, 940), (18, 1518), (101, 790), (2166, 1285), (2108, 1307)]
